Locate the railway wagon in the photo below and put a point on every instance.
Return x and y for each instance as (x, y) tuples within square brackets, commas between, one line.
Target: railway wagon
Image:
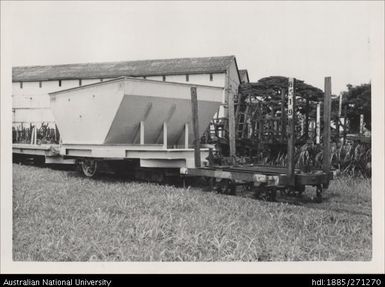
[(128, 125), (152, 130), (265, 180), (143, 126)]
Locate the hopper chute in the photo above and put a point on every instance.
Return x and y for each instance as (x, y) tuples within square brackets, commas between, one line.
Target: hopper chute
[(111, 112)]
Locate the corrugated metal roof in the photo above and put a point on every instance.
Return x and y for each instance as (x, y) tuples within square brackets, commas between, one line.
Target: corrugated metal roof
[(126, 68)]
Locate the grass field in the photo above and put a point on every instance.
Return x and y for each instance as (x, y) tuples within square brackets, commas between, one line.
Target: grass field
[(61, 216)]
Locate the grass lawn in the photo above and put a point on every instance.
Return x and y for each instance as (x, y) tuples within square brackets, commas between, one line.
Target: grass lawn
[(61, 216)]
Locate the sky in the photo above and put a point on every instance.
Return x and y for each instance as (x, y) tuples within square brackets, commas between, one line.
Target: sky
[(305, 40)]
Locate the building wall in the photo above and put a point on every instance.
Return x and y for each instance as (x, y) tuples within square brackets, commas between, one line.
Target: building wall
[(31, 101), (217, 79)]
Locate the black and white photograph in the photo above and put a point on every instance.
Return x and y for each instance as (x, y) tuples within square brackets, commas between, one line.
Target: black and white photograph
[(218, 133)]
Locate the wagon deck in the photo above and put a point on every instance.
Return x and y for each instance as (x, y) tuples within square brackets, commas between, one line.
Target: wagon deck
[(260, 174), (49, 152)]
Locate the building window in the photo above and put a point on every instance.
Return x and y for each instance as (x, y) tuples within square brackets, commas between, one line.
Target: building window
[(80, 82), (164, 78), (211, 77), (40, 84), (187, 78), (21, 85), (59, 83)]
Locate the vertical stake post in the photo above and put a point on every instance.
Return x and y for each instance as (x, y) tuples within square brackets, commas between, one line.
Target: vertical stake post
[(361, 124), (195, 123), (31, 135), (306, 131), (283, 116), (344, 126), (326, 131), (260, 126), (165, 135), (231, 114), (231, 124), (141, 132), (339, 116), (291, 136), (186, 135), (318, 124)]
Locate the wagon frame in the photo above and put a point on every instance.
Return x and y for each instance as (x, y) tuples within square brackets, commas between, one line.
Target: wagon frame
[(271, 178)]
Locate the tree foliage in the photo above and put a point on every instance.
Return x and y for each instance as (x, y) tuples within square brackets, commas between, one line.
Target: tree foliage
[(269, 90), (357, 100)]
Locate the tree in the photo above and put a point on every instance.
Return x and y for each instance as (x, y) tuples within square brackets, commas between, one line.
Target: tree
[(357, 100), (268, 91)]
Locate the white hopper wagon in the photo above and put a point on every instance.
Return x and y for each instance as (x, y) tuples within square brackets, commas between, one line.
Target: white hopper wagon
[(143, 123)]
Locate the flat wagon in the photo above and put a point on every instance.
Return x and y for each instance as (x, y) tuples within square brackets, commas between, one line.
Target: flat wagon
[(266, 180)]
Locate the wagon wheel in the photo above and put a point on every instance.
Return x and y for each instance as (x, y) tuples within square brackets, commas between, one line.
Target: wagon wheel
[(226, 186), (265, 193), (89, 167), (272, 194), (290, 191), (211, 184), (285, 191), (259, 192), (319, 190), (293, 191), (248, 187), (206, 182), (299, 189)]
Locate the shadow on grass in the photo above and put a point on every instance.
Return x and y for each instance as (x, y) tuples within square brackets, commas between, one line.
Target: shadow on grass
[(328, 203), (335, 200), (66, 167)]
